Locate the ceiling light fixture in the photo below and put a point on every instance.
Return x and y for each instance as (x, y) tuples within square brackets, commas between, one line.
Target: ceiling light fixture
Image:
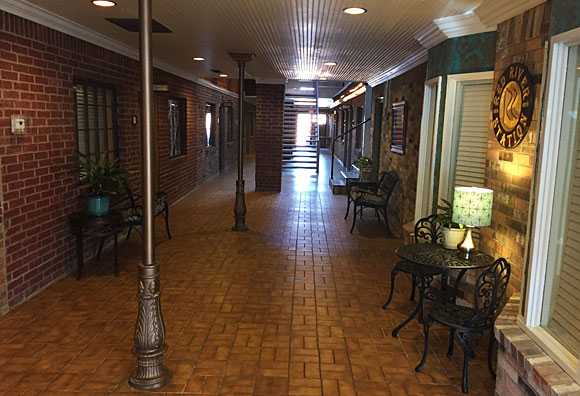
[(323, 78), (354, 10), (223, 75), (104, 3), (306, 89), (198, 58), (329, 63)]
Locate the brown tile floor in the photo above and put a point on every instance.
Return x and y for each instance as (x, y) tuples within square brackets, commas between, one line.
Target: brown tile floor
[(292, 307)]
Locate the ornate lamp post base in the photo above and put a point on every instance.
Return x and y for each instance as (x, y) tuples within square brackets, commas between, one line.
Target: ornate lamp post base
[(240, 207), (146, 377)]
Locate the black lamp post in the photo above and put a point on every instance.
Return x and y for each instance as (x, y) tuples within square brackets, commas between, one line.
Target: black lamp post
[(240, 205), (149, 329)]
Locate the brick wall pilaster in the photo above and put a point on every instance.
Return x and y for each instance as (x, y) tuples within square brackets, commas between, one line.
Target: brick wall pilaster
[(268, 136)]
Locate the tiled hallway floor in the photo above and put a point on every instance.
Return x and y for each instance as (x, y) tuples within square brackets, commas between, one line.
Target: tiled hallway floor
[(292, 307)]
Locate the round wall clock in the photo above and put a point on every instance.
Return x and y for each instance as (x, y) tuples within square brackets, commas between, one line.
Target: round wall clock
[(512, 105)]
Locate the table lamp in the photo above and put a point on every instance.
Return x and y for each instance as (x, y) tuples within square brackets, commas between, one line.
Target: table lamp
[(471, 207)]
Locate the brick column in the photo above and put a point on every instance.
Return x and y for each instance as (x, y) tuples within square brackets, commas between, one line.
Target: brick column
[(268, 136)]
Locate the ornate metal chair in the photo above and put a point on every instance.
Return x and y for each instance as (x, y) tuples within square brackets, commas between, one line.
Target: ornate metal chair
[(367, 186), (470, 323), (133, 215), (427, 230), (377, 200)]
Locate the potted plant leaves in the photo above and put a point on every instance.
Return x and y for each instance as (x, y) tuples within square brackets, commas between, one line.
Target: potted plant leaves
[(103, 177), (453, 233), (365, 166)]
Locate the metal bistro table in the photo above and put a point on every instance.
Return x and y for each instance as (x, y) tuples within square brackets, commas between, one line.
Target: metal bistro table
[(83, 225), (435, 255)]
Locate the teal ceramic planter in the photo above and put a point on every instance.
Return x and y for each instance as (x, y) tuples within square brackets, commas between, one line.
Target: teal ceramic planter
[(98, 206)]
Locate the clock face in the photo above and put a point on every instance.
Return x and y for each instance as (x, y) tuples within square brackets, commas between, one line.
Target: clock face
[(512, 105)]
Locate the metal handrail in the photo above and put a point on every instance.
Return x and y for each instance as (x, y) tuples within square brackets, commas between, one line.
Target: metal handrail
[(334, 141)]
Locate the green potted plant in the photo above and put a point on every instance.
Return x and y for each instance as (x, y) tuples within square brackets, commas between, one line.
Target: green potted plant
[(365, 166), (103, 178), (453, 233)]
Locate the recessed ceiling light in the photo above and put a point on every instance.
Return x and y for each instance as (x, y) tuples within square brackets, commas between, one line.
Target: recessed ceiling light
[(306, 88), (104, 3), (223, 75), (198, 58), (329, 63), (323, 78), (354, 10)]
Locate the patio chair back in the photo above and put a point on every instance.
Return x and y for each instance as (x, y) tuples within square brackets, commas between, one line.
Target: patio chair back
[(490, 289), (428, 229)]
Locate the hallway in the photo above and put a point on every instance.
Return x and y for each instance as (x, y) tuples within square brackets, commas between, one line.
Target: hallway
[(293, 307)]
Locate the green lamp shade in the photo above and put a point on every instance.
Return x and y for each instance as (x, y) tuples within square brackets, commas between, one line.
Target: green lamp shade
[(472, 206)]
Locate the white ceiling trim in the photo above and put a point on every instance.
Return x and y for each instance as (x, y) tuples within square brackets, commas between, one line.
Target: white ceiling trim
[(462, 25), (49, 19), (495, 12), (431, 36), (406, 65)]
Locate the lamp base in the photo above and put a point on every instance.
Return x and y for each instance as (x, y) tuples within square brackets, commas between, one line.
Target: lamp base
[(466, 248), (464, 253)]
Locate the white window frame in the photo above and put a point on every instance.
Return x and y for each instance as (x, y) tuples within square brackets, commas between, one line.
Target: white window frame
[(427, 148), (447, 168), (550, 141)]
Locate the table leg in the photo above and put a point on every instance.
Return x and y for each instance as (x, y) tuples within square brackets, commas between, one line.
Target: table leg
[(79, 253), (418, 310), (115, 252), (456, 286)]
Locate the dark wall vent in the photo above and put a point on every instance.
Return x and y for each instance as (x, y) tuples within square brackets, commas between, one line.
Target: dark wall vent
[(132, 25)]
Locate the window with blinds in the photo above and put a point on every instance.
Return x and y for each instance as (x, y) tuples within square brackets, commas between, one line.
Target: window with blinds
[(177, 114), (399, 127), (96, 119), (473, 128), (561, 307)]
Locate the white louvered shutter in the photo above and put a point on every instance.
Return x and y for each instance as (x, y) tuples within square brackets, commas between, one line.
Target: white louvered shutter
[(473, 128), (565, 315)]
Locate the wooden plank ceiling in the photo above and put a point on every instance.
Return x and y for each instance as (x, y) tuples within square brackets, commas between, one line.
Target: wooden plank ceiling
[(292, 39)]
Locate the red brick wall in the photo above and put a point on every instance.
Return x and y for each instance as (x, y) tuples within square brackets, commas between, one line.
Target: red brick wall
[(409, 87), (38, 66), (268, 136), (509, 171)]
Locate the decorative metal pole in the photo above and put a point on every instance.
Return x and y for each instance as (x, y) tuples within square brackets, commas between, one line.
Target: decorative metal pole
[(149, 328), (240, 205)]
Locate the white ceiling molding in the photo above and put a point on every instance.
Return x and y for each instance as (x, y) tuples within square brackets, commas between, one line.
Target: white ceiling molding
[(495, 12), (49, 19), (462, 25), (431, 36), (406, 65)]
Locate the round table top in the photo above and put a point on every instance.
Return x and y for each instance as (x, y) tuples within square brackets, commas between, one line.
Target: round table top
[(435, 255)]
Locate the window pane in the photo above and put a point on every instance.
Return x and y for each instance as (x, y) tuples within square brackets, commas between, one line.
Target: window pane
[(209, 125), (177, 127), (96, 123), (561, 307)]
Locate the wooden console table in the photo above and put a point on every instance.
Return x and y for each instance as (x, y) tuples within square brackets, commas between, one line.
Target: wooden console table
[(83, 225)]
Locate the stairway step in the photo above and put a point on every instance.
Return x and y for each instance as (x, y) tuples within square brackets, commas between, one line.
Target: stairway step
[(337, 185), (295, 161)]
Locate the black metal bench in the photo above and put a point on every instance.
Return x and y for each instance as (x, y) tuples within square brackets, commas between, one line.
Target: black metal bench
[(133, 215), (374, 196)]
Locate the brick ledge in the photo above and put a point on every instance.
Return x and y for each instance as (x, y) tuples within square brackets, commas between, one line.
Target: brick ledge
[(523, 367)]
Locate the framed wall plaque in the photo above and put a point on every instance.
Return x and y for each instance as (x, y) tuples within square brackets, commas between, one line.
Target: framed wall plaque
[(512, 106), (399, 127)]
